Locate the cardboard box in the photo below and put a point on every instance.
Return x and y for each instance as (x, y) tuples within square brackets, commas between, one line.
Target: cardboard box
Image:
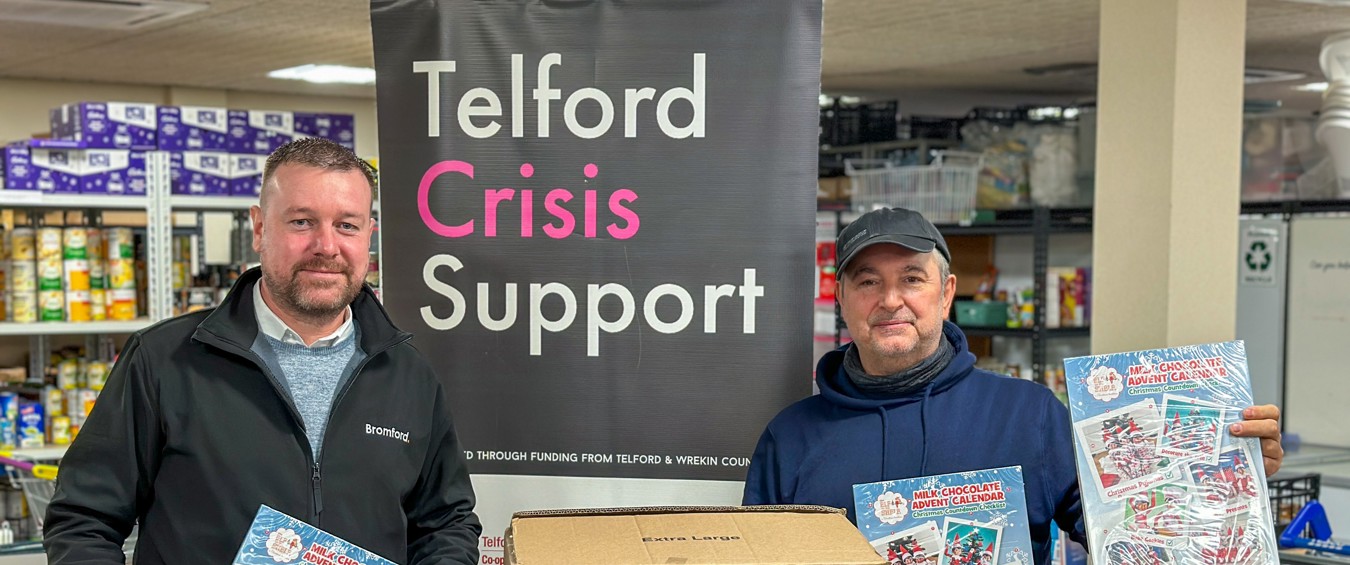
[(246, 174), (825, 188), (112, 171), (13, 375), (193, 128), (200, 173), (844, 190), (106, 125), (260, 132), (833, 188), (31, 426), (16, 170), (336, 127), (33, 166), (749, 535), (55, 170)]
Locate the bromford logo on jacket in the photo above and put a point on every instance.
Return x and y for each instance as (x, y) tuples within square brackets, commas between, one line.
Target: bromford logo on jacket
[(387, 432)]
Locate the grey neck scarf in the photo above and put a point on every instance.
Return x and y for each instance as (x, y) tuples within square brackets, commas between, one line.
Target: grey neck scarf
[(905, 382)]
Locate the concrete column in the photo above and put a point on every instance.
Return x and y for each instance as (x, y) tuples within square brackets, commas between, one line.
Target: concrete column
[(1168, 173)]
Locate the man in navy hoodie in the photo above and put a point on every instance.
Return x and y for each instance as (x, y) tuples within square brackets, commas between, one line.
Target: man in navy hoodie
[(905, 400)]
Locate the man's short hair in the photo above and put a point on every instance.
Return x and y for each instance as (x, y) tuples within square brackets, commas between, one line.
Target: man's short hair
[(944, 268), (319, 153)]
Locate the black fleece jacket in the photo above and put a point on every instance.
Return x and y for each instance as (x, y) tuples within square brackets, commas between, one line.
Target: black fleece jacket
[(192, 433)]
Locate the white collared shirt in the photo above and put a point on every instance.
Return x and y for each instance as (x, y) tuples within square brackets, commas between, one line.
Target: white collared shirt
[(272, 326)]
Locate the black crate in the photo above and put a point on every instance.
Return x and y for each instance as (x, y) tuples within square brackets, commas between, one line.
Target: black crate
[(852, 124), (926, 127), (879, 121), (841, 125), (1288, 495)]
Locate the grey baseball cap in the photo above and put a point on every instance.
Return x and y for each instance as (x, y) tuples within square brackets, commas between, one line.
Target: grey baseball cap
[(899, 226)]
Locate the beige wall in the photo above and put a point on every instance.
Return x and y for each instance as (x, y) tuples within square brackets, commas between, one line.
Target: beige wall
[(24, 104)]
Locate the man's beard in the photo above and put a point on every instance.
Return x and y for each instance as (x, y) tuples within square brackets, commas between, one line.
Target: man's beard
[(293, 295)]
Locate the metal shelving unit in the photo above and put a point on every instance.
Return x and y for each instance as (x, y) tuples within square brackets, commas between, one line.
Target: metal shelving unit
[(159, 236), (34, 199), (1026, 332), (878, 149), (158, 205), (1040, 223), (48, 453), (1288, 208), (73, 328)]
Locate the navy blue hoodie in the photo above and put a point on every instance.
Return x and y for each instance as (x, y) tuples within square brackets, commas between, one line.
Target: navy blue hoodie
[(967, 419)]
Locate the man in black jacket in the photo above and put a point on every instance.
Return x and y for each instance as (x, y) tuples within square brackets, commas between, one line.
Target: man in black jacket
[(296, 392)]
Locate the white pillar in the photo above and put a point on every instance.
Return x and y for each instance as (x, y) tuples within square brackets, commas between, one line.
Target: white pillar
[(1167, 190)]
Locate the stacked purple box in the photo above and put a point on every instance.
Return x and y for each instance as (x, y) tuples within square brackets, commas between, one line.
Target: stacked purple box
[(112, 171), (20, 173), (193, 128), (106, 125), (52, 166), (246, 174), (200, 173), (56, 170), (336, 127), (17, 167), (260, 132)]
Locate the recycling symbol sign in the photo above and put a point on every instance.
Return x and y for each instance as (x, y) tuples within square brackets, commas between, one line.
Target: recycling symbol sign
[(1258, 256)]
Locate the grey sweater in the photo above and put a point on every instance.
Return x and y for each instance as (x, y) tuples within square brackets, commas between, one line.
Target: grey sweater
[(312, 376)]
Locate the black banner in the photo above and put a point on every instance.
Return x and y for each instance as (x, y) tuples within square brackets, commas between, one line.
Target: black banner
[(598, 221)]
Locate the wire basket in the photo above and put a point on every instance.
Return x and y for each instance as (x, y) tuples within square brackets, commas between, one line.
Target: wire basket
[(944, 192), (37, 492)]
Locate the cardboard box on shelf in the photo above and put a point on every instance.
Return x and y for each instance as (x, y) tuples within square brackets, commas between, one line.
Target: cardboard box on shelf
[(750, 535), (13, 375), (834, 188), (844, 190), (17, 172), (260, 131), (193, 128), (246, 174), (336, 127), (1068, 297), (59, 167), (112, 171), (200, 173), (106, 125), (55, 170)]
